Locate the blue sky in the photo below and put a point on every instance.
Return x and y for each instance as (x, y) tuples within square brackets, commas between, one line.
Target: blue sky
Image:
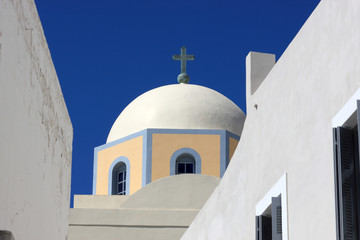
[(106, 53)]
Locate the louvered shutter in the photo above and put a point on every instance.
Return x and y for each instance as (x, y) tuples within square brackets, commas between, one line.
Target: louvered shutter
[(276, 220), (257, 228), (345, 190), (337, 187), (263, 228)]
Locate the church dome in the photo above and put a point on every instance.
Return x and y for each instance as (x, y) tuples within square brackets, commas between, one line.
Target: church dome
[(178, 106)]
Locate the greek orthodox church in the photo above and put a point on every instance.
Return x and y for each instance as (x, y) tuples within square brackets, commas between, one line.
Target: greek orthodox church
[(292, 167), (166, 152)]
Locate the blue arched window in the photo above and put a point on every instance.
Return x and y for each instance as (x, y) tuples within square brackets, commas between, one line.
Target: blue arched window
[(119, 179)]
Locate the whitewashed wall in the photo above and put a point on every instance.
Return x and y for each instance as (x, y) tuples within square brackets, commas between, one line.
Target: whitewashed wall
[(291, 131), (35, 130)]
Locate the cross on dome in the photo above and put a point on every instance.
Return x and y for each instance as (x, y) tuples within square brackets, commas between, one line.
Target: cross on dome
[(183, 76)]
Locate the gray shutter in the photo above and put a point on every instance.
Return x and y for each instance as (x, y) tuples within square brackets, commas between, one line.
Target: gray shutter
[(276, 218), (257, 229), (337, 181), (345, 184), (357, 169), (263, 228), (6, 235)]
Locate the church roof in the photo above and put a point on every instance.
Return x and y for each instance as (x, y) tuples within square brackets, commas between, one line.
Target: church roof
[(178, 106)]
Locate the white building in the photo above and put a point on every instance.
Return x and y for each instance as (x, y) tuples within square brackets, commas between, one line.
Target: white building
[(35, 131), (286, 148)]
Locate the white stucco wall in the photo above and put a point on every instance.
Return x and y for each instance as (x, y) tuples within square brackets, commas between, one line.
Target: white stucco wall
[(35, 130), (291, 131)]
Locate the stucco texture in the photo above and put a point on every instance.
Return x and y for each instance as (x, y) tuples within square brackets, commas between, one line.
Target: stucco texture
[(132, 150), (35, 130), (291, 131), (164, 145), (161, 210), (178, 106), (232, 146)]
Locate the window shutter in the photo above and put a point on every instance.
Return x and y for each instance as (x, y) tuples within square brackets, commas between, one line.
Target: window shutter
[(263, 228), (337, 181), (6, 235), (345, 183), (276, 218), (257, 228)]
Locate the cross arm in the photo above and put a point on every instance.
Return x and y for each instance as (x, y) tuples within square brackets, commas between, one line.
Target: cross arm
[(183, 57)]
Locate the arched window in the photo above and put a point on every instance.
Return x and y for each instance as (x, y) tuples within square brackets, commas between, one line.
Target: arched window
[(185, 160), (119, 179), (185, 163)]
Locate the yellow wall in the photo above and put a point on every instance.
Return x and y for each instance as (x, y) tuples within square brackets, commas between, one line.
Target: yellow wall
[(232, 146), (164, 145), (131, 149)]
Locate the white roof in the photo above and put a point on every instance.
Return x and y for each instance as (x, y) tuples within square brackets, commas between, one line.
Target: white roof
[(178, 106)]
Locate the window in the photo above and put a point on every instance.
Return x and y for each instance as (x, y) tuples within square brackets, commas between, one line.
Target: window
[(271, 213), (185, 160), (119, 179), (269, 224), (185, 164), (6, 235), (119, 176), (347, 177)]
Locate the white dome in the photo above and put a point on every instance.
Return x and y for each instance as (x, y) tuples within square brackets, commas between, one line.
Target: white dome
[(178, 106)]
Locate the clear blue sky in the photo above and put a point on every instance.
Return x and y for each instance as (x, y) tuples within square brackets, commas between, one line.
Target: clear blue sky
[(106, 53)]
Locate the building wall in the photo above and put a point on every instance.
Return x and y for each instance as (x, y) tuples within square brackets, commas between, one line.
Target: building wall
[(290, 132), (233, 142), (131, 149), (165, 145), (150, 152), (35, 130)]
